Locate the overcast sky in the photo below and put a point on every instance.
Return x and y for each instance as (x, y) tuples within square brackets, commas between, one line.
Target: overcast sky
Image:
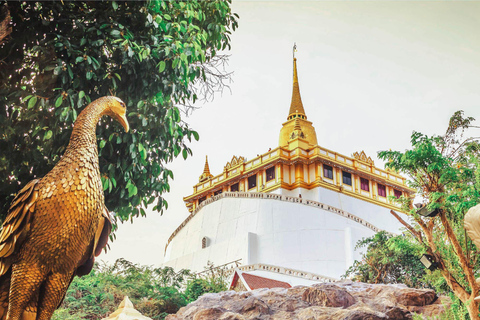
[(370, 73)]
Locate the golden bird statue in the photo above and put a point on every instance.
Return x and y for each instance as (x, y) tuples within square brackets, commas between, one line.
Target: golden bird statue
[(56, 225)]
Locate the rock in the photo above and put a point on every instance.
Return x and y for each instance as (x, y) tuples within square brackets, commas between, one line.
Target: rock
[(254, 307), (326, 301), (231, 316), (415, 297), (364, 315), (398, 313), (208, 314), (328, 295)]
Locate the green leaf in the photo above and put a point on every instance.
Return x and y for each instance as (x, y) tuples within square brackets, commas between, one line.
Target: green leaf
[(81, 94), (105, 183), (102, 144), (32, 102), (59, 101), (114, 5), (78, 59), (175, 63), (114, 181), (185, 154), (195, 135), (48, 135), (132, 190), (57, 70), (161, 66)]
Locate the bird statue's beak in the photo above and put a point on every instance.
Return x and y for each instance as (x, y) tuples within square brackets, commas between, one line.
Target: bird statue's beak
[(123, 121)]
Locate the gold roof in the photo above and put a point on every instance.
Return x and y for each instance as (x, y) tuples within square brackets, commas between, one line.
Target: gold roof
[(296, 106)]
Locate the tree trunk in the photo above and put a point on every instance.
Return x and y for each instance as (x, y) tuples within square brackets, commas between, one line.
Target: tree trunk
[(472, 307)]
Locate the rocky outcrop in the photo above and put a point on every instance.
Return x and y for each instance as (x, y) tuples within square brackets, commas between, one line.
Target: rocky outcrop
[(326, 301)]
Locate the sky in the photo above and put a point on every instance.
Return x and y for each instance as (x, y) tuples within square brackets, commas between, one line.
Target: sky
[(370, 74)]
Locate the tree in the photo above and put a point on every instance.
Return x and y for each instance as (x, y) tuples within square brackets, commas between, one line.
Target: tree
[(212, 279), (446, 173), (157, 56), (389, 259)]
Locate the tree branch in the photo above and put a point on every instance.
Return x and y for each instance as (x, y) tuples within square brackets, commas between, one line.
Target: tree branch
[(417, 234)]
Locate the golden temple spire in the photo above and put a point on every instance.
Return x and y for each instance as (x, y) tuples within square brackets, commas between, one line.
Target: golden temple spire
[(297, 125), (296, 106), (206, 171)]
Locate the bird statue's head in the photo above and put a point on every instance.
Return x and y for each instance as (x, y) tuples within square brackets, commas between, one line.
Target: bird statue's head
[(117, 110)]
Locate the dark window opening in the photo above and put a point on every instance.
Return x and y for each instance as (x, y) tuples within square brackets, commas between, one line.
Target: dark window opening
[(234, 187), (327, 171), (217, 192), (364, 184), (204, 242), (252, 181), (347, 178), (397, 193), (202, 199), (382, 190), (270, 173)]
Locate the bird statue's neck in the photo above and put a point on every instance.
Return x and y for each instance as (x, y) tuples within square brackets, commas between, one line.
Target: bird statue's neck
[(83, 139)]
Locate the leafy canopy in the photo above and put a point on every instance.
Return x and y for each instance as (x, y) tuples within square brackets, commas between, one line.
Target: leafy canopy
[(445, 171), (389, 259), (157, 56)]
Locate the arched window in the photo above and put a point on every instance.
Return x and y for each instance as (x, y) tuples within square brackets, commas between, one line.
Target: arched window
[(204, 242)]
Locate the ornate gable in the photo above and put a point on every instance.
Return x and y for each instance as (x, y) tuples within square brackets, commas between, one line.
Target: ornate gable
[(363, 157), (235, 162)]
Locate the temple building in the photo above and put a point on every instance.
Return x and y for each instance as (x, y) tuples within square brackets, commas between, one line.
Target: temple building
[(296, 211)]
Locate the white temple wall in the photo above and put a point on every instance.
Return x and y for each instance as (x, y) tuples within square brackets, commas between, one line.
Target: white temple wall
[(375, 214), (267, 231)]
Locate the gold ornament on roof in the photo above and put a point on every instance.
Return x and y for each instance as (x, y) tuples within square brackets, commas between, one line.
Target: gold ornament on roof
[(235, 162), (56, 225), (206, 171), (297, 131), (363, 157)]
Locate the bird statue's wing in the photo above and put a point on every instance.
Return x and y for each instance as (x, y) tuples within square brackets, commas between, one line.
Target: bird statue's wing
[(103, 231), (17, 224), (472, 224), (98, 242)]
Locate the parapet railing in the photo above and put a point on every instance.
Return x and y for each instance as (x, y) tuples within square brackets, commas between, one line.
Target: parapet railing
[(272, 196), (286, 271)]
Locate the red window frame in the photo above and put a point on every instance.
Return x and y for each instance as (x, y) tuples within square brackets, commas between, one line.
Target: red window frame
[(327, 171), (397, 193), (252, 181), (270, 174), (382, 190), (364, 184)]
